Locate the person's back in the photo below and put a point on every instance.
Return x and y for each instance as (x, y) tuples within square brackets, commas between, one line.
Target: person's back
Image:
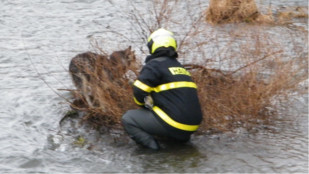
[(176, 111), (175, 93)]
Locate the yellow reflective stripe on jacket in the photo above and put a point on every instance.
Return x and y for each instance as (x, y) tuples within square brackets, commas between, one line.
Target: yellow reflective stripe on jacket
[(164, 87), (172, 122), (137, 102), (174, 85), (142, 86)]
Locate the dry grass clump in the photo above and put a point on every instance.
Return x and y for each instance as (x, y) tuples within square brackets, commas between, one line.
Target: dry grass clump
[(292, 12), (223, 11), (235, 11)]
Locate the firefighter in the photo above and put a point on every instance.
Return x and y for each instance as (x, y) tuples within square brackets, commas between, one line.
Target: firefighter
[(167, 95)]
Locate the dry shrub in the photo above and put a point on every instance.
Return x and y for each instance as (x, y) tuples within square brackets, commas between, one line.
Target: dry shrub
[(254, 74), (230, 100), (254, 80), (102, 82), (242, 97), (223, 11), (244, 93)]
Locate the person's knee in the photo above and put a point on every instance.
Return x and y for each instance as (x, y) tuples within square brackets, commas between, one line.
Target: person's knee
[(127, 118)]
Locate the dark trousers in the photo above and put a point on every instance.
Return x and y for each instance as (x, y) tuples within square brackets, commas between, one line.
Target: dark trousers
[(142, 125)]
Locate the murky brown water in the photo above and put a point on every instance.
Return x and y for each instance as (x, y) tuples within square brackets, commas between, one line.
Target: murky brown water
[(37, 40)]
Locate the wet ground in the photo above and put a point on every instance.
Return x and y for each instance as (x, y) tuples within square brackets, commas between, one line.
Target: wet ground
[(37, 40)]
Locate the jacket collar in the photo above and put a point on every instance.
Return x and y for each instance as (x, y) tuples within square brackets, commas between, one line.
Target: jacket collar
[(162, 53)]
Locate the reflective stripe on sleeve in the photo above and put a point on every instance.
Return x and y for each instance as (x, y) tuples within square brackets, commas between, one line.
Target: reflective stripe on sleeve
[(142, 86), (172, 122), (137, 102)]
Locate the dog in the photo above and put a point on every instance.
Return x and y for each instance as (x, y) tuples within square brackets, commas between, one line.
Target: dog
[(87, 69)]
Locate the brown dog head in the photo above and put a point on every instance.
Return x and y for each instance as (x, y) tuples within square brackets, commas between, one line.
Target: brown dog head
[(122, 61), (124, 57)]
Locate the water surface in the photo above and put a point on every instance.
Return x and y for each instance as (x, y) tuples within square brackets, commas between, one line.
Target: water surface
[(37, 40)]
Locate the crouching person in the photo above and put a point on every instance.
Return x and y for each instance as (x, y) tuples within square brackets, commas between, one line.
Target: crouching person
[(167, 96)]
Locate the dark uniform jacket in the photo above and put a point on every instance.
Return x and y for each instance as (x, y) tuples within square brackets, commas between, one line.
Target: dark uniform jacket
[(174, 93)]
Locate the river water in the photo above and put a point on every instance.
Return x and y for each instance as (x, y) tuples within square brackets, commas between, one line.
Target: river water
[(37, 40)]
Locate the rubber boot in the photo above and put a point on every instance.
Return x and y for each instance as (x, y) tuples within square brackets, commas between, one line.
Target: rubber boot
[(153, 144)]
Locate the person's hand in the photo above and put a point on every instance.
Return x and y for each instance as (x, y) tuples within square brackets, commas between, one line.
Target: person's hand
[(131, 81), (148, 102)]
